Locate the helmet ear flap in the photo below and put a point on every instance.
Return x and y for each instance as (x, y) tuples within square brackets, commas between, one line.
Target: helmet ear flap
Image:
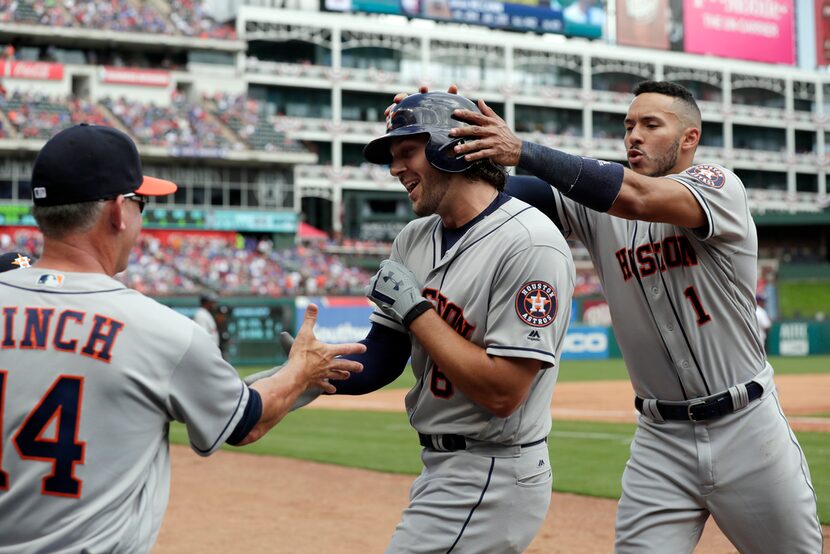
[(442, 156)]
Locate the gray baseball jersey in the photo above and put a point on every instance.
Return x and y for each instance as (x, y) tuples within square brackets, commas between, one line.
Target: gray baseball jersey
[(683, 308), (91, 374), (677, 297), (505, 286)]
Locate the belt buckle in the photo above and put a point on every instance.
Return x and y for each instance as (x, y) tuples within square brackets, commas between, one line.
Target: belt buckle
[(691, 405)]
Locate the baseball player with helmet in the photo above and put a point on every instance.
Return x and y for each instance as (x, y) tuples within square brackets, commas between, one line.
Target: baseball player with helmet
[(675, 248), (478, 291), (92, 373)]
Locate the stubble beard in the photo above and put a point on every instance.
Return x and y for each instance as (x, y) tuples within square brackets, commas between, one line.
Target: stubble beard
[(432, 194), (665, 163)]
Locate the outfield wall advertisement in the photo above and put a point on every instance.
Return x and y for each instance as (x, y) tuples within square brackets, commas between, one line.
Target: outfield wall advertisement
[(346, 319)]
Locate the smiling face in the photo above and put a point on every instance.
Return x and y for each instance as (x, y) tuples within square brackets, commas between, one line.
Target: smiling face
[(660, 137), (427, 186)]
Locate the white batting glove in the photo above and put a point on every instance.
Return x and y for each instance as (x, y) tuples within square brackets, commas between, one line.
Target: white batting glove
[(396, 291)]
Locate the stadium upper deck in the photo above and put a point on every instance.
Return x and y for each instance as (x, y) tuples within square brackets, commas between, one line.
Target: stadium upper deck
[(290, 96)]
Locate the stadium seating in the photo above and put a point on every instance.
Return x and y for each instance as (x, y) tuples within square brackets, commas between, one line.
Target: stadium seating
[(188, 263), (177, 17), (181, 125)]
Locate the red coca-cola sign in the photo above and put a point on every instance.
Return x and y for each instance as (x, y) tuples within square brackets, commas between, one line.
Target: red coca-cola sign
[(38, 71)]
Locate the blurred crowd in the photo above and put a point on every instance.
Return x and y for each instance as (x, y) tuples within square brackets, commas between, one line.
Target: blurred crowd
[(220, 122), (174, 17), (183, 124), (36, 116), (187, 263)]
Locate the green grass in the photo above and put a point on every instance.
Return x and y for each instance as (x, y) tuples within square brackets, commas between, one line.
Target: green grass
[(803, 299), (588, 458), (786, 365), (610, 370)]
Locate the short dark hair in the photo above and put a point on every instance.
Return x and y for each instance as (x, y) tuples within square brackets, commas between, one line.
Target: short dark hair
[(489, 171), (668, 88)]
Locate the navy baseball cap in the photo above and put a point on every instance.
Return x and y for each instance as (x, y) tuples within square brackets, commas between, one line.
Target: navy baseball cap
[(14, 260), (91, 162)]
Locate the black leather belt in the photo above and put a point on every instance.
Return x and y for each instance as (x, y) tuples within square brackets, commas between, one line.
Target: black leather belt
[(452, 443), (702, 410)]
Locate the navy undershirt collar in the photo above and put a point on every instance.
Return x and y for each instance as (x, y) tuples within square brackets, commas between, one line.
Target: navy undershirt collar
[(450, 236)]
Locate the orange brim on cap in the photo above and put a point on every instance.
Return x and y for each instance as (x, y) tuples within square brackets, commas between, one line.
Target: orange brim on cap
[(151, 186)]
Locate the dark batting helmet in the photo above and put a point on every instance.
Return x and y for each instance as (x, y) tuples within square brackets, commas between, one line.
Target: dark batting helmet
[(425, 114)]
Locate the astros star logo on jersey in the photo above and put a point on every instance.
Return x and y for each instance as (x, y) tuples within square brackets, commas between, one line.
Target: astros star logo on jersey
[(536, 303), (709, 175)]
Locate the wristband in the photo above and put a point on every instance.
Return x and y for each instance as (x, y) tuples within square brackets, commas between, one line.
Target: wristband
[(417, 310), (593, 183)]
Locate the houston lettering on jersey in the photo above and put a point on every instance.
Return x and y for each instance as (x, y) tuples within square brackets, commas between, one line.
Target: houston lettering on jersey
[(450, 312), (42, 328), (646, 259)]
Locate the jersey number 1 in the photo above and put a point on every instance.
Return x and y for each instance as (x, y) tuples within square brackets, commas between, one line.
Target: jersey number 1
[(60, 410), (700, 312)]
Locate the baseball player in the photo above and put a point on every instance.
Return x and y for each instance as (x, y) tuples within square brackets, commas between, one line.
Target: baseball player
[(15, 260), (92, 373), (675, 248), (204, 316), (478, 290)]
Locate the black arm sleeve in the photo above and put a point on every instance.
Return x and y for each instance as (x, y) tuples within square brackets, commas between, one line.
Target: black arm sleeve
[(535, 192), (387, 352)]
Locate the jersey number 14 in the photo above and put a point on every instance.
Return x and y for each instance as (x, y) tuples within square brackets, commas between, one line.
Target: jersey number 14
[(60, 409)]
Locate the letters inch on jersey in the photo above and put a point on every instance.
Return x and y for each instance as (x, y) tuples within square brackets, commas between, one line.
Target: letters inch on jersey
[(39, 329), (646, 259)]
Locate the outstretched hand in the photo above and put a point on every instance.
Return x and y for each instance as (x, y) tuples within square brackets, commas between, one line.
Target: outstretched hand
[(286, 340), (320, 362), (492, 138)]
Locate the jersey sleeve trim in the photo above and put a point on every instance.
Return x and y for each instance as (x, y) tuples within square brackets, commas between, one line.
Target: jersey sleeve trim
[(707, 211), (548, 359), (224, 434)]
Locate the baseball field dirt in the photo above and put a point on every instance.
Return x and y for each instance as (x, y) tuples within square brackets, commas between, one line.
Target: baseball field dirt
[(236, 502)]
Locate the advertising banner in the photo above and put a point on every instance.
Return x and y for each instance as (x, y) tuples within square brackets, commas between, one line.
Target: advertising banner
[(583, 18), (341, 319), (133, 76), (36, 71), (346, 319), (760, 30), (822, 32), (585, 343)]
